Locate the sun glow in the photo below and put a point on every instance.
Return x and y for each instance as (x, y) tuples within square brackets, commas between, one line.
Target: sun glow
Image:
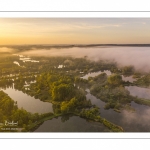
[(74, 31)]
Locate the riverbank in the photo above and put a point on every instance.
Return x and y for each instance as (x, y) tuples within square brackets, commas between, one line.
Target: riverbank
[(35, 125), (108, 124)]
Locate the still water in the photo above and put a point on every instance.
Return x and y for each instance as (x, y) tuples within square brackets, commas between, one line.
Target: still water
[(27, 102), (93, 74), (139, 92), (73, 124), (138, 121)]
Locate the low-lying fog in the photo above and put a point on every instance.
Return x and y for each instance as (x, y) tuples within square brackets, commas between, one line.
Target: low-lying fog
[(6, 50), (136, 56)]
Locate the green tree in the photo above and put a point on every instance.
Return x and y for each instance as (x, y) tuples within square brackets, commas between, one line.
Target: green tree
[(114, 80), (128, 70)]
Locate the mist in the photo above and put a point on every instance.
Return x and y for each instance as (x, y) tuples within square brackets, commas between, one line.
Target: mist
[(6, 50), (138, 120), (124, 56)]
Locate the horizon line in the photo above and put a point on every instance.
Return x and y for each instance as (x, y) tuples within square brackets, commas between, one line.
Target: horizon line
[(67, 44)]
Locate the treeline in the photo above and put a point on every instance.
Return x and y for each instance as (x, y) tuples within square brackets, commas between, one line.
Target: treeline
[(60, 90), (5, 82), (9, 111), (110, 90), (93, 114), (7, 66), (144, 81), (70, 65), (23, 79)]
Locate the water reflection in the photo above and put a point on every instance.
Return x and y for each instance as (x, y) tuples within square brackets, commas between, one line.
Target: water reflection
[(27, 102), (138, 121), (15, 62), (128, 78), (139, 92), (73, 124), (110, 114), (93, 74), (27, 59)]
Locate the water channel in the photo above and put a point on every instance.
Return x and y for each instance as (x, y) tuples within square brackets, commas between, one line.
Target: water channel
[(130, 121), (27, 102), (138, 121)]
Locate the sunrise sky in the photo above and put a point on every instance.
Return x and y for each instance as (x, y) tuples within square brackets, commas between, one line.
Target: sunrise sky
[(74, 31)]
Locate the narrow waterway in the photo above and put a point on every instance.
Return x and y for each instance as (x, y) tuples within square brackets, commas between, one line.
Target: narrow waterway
[(139, 91), (93, 74), (27, 102), (71, 124), (138, 121)]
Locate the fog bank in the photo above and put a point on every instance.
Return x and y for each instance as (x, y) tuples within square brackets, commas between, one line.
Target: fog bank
[(6, 50), (136, 56)]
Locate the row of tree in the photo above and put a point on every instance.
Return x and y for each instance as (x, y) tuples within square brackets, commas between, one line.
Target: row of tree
[(9, 111), (110, 90)]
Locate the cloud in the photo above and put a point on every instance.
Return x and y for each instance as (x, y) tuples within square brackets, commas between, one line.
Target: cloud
[(46, 26)]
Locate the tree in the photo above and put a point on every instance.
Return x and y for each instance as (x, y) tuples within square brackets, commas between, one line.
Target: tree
[(62, 92), (114, 80), (128, 70)]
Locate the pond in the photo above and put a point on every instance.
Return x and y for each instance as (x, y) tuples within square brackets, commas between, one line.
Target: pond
[(27, 102), (24, 59), (138, 121), (71, 124), (93, 74), (15, 62), (130, 121), (27, 59), (139, 91), (128, 78)]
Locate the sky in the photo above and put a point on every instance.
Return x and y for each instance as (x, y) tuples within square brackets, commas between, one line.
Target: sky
[(17, 31)]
